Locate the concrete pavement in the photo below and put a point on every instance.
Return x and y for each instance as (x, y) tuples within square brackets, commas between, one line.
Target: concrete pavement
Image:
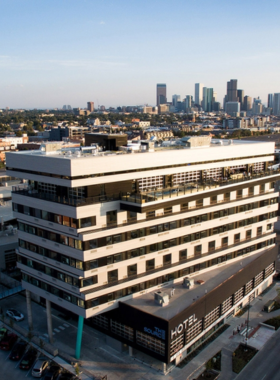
[(99, 358)]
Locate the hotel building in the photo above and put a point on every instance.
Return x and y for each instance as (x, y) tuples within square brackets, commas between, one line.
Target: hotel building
[(156, 248)]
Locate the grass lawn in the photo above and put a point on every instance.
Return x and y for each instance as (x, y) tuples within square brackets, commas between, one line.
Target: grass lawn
[(241, 356), (274, 322)]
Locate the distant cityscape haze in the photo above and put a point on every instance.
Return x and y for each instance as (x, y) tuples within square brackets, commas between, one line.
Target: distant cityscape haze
[(114, 52)]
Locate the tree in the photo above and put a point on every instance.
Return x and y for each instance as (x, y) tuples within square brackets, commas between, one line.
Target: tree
[(18, 133), (77, 370)]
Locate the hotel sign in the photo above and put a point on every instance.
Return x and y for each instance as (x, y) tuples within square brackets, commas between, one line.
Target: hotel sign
[(183, 326), (156, 332)]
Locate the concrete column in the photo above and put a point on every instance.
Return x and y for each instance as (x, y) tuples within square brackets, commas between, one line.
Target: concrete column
[(79, 337), (164, 368), (49, 321), (29, 310), (130, 351)]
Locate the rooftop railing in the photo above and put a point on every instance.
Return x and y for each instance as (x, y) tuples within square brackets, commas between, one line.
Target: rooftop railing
[(194, 187), (146, 196)]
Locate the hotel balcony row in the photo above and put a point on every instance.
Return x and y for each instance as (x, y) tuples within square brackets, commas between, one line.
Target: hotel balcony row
[(149, 195)]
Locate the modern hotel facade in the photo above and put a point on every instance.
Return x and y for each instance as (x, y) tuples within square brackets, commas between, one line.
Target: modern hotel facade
[(156, 248)]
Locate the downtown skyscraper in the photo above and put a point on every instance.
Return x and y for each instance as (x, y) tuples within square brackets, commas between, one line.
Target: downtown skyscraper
[(161, 93)]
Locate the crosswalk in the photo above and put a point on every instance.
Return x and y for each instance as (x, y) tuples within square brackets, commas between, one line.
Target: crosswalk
[(58, 330)]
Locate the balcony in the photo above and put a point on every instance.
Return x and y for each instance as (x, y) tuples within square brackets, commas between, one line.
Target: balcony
[(24, 190), (193, 188), (145, 196)]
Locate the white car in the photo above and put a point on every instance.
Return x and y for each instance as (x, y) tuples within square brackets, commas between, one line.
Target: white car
[(16, 315)]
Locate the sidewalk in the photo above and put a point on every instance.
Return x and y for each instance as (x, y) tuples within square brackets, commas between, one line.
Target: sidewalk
[(98, 358), (227, 342)]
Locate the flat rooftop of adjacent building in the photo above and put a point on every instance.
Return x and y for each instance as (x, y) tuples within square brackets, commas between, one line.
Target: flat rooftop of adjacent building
[(184, 297), (72, 153)]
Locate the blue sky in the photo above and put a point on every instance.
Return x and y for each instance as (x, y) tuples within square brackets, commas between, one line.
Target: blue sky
[(113, 52)]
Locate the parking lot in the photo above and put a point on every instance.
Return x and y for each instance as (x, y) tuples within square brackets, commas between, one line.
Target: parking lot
[(10, 369)]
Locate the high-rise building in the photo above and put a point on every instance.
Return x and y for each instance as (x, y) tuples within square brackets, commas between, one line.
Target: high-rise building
[(247, 103), (232, 91), (188, 102), (198, 93), (208, 99), (115, 237), (90, 106), (270, 101), (240, 95), (161, 94), (233, 108), (257, 107), (276, 104), (175, 100)]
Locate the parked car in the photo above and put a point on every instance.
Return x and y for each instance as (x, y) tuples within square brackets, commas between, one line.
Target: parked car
[(40, 367), (16, 315), (3, 332), (65, 375), (53, 372), (28, 359), (8, 341), (18, 350)]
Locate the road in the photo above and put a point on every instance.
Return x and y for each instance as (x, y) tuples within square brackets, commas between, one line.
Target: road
[(266, 364)]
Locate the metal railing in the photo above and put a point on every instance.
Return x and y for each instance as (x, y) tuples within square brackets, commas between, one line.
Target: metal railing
[(144, 197)]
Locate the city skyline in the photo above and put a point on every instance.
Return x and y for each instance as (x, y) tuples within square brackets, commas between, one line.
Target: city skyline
[(56, 54)]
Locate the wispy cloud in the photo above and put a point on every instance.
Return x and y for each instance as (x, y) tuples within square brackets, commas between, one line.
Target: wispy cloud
[(102, 23), (17, 63)]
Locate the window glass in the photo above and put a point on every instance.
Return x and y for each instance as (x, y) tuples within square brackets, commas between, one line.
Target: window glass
[(183, 254), (113, 275), (132, 270), (45, 215)]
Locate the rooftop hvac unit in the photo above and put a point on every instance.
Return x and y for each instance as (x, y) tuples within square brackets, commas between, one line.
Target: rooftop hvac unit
[(161, 298), (188, 283)]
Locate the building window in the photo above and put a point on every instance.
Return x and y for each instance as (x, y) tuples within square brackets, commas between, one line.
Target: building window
[(236, 238), (113, 275), (259, 231), (122, 330), (151, 343), (227, 197), (197, 250), (88, 281), (213, 200), (150, 214), (211, 246), (225, 242), (132, 270), (248, 234), (77, 192), (111, 217), (184, 206), (183, 255), (150, 264), (166, 259), (46, 188), (199, 203), (239, 194), (167, 210)]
